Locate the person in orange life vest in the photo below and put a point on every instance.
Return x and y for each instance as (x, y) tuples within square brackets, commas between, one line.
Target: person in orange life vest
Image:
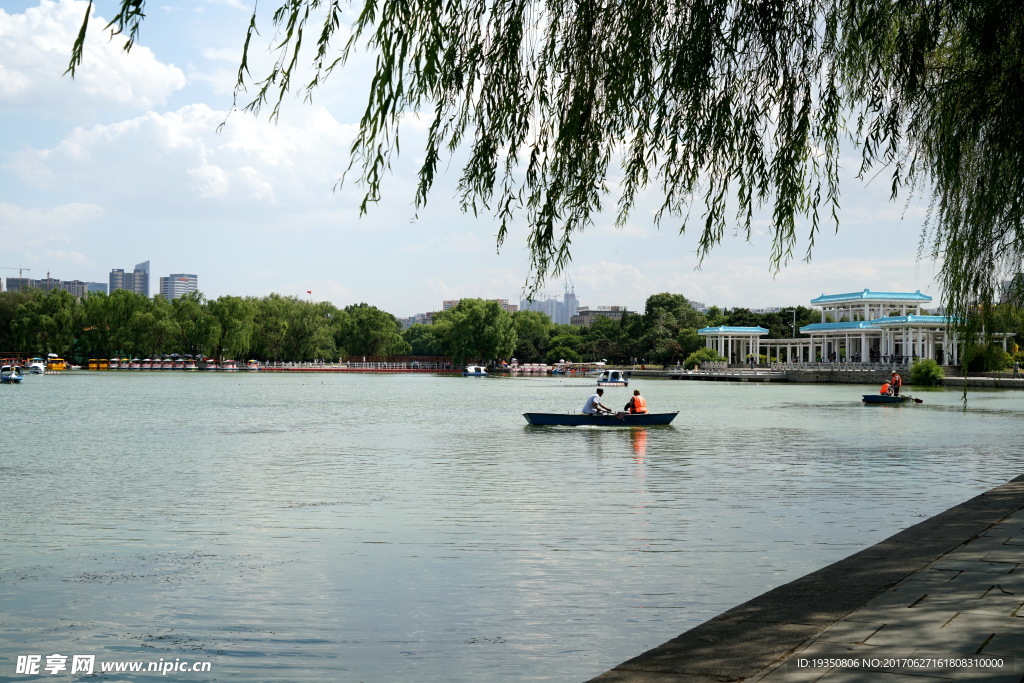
[(886, 390), (896, 382), (637, 404)]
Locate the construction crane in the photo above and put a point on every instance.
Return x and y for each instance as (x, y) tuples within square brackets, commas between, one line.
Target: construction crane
[(20, 269)]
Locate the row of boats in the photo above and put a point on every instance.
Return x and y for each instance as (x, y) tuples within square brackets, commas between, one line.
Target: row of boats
[(226, 365), (12, 373)]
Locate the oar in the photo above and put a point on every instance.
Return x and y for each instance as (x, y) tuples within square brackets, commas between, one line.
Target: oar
[(916, 400)]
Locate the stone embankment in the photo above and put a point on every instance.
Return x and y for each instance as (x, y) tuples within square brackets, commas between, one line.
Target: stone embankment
[(827, 373)]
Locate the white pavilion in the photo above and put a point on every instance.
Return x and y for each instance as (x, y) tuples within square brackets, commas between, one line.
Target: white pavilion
[(857, 327)]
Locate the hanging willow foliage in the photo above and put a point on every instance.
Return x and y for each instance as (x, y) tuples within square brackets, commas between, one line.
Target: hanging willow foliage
[(729, 105)]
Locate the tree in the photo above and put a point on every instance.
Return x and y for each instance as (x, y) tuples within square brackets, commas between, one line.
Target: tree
[(422, 340), (366, 330), (47, 323), (476, 329), (533, 329), (724, 105), (235, 319), (198, 330)]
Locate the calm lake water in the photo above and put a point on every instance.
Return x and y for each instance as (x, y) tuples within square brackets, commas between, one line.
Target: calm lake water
[(414, 528)]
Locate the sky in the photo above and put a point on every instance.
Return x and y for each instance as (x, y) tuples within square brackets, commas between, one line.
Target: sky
[(129, 162)]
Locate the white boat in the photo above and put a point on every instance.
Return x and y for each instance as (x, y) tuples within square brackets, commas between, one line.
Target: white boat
[(474, 371), (36, 366), (613, 378), (229, 365), (11, 374)]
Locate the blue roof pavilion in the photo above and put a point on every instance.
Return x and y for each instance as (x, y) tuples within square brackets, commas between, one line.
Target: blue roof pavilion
[(890, 328)]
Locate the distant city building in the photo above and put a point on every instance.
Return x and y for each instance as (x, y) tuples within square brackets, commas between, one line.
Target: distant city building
[(418, 319), (75, 287), (560, 312), (178, 284), (47, 284), (449, 304), (136, 281), (586, 315)]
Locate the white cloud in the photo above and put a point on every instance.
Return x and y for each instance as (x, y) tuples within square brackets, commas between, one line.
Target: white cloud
[(176, 163), (37, 47), (71, 257)]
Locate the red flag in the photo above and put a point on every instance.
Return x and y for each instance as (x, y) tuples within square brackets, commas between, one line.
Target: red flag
[(308, 291)]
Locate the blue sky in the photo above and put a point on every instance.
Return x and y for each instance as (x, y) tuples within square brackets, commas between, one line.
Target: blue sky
[(125, 164)]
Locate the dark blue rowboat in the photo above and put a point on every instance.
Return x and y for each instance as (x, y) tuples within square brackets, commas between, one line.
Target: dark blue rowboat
[(601, 420), (882, 398)]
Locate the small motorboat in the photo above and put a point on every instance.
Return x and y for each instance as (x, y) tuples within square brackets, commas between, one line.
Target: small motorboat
[(613, 378), (11, 374), (474, 371), (885, 398), (37, 366), (599, 419)]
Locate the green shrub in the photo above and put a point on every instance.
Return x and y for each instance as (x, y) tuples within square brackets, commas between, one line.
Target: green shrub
[(701, 355), (561, 353), (926, 373), (987, 358)]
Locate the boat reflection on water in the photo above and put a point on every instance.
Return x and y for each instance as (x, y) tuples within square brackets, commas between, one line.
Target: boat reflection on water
[(638, 437)]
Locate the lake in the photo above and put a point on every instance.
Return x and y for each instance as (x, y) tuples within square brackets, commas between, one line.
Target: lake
[(356, 527)]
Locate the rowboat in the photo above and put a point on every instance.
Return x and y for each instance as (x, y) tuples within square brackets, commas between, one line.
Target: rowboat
[(599, 419), (883, 398)]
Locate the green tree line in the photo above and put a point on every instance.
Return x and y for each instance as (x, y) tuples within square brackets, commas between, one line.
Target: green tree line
[(286, 328), (124, 323)]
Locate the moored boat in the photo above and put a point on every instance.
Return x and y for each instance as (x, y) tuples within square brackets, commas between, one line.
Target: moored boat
[(600, 419), (474, 371), (229, 365), (253, 365), (613, 378), (36, 366)]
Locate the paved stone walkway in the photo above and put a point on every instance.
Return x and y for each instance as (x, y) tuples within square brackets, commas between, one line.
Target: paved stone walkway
[(940, 601)]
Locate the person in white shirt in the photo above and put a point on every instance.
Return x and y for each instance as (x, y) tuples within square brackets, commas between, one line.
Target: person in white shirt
[(594, 405)]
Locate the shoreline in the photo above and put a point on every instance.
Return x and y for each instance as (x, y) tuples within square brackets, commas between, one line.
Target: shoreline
[(759, 637)]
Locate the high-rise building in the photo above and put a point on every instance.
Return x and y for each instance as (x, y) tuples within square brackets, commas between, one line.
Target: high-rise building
[(136, 281), (142, 278), (178, 284), (560, 312)]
